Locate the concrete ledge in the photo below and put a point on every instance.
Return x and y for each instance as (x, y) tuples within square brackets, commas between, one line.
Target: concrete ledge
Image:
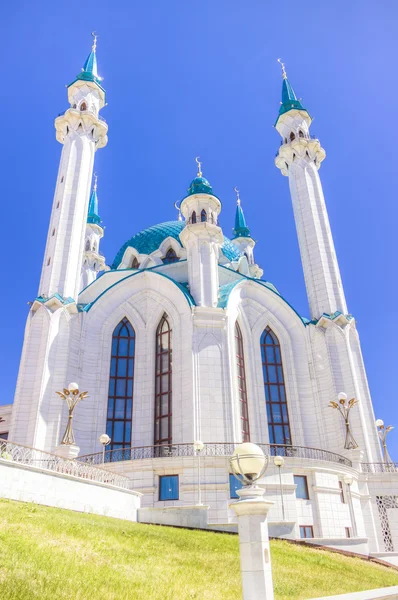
[(182, 516), (379, 594)]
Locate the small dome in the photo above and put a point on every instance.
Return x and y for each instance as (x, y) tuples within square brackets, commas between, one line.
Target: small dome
[(200, 185), (149, 240)]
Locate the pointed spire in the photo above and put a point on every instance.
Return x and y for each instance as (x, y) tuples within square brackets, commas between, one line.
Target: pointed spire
[(90, 69), (93, 216), (241, 229), (289, 98)]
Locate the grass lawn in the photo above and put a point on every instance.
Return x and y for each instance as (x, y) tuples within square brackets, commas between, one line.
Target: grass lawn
[(54, 554)]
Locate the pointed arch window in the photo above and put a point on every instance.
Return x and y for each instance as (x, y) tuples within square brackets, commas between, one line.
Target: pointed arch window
[(83, 106), (274, 387), (292, 136), (203, 216), (163, 383), (170, 257), (87, 245), (242, 390), (121, 380), (135, 264), (193, 218)]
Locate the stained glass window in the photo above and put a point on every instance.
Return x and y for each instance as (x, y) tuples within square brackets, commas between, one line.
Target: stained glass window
[(121, 380), (242, 390), (274, 387), (163, 383)]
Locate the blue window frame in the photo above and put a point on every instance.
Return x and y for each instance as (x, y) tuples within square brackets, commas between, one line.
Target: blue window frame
[(234, 486), (274, 388), (168, 487), (302, 487), (121, 380)]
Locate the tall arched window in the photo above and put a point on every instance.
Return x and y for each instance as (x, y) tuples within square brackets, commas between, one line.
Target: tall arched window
[(203, 215), (193, 218), (274, 387), (87, 247), (240, 365), (292, 136), (83, 106), (120, 397), (163, 387), (170, 257)]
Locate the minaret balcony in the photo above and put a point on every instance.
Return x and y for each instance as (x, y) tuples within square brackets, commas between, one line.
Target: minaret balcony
[(73, 118), (305, 148)]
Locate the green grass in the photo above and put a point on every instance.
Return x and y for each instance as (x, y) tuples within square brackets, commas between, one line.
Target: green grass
[(49, 553)]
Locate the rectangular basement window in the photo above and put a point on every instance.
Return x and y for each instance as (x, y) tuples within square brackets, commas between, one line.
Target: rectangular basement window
[(347, 532), (168, 487), (306, 531)]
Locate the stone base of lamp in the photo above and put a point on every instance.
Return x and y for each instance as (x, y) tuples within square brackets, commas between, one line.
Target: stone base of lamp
[(355, 456), (69, 451), (255, 558)]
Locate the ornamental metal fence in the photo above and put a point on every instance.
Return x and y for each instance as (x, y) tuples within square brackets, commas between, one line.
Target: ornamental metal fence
[(379, 467), (31, 457), (209, 449)]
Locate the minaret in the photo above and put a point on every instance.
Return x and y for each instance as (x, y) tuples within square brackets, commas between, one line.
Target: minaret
[(202, 238), (243, 240), (299, 158), (93, 261), (81, 131)]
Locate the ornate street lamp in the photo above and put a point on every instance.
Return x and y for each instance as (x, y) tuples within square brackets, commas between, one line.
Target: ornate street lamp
[(249, 464), (344, 410), (198, 446), (279, 462), (105, 441), (72, 397), (382, 433)]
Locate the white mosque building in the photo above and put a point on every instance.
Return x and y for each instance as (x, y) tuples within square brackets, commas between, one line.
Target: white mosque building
[(180, 339)]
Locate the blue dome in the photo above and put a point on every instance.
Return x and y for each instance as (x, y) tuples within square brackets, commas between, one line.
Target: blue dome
[(200, 185), (149, 240)]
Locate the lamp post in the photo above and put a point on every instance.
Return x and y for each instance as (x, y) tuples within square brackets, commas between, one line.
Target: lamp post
[(105, 441), (344, 410), (382, 433), (348, 481), (72, 397), (249, 464), (198, 447), (279, 462)]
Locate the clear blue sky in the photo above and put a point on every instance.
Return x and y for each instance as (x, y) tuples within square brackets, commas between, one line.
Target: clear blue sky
[(191, 78)]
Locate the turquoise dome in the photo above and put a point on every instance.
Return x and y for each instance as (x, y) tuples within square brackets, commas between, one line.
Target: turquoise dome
[(149, 240), (200, 185)]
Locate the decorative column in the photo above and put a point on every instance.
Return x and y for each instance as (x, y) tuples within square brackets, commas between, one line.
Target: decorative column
[(249, 464)]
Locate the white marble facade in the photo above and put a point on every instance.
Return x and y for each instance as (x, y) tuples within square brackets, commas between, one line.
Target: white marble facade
[(211, 285)]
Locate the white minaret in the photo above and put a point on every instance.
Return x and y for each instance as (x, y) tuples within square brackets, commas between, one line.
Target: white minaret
[(93, 261), (202, 238), (299, 158), (81, 131)]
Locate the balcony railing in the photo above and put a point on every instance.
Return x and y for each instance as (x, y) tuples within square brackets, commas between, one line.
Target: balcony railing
[(31, 457), (379, 467), (91, 112), (210, 449)]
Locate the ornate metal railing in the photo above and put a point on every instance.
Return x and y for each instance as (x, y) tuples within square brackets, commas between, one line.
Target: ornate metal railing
[(31, 457), (379, 467), (210, 449)]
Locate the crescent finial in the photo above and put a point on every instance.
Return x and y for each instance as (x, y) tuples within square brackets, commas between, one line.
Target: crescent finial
[(282, 64), (199, 166), (95, 36), (237, 196)]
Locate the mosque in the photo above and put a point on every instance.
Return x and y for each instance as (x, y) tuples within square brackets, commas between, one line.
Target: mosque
[(187, 351)]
